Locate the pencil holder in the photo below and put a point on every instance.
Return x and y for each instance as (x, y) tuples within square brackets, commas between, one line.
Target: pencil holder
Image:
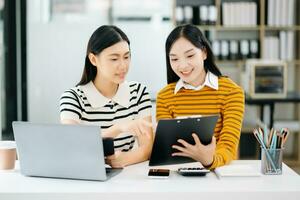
[(271, 161)]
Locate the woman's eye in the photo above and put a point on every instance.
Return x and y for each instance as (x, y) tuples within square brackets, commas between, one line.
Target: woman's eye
[(113, 59), (127, 57), (174, 59), (190, 56)]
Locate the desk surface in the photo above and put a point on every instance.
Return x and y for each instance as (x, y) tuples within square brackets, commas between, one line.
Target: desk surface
[(133, 183)]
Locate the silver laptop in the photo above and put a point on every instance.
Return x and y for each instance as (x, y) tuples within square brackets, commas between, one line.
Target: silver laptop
[(61, 151)]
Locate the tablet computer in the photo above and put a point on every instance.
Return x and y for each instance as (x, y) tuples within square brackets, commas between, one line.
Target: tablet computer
[(168, 131)]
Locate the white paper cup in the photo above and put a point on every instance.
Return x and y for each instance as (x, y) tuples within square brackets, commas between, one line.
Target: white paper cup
[(7, 155)]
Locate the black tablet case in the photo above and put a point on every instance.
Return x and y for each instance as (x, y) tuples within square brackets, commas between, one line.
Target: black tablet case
[(170, 130)]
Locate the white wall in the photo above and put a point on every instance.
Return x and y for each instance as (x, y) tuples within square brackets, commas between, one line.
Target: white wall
[(148, 54), (56, 52), (55, 62), (147, 39), (55, 58)]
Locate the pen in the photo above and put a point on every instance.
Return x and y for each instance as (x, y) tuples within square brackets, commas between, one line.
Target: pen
[(255, 132), (265, 135), (285, 136), (274, 140), (267, 153), (270, 138)]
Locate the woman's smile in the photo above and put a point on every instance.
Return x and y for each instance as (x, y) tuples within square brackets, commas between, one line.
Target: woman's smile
[(186, 73), (121, 75)]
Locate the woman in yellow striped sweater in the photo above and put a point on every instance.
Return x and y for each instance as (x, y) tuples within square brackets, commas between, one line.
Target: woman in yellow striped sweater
[(197, 87)]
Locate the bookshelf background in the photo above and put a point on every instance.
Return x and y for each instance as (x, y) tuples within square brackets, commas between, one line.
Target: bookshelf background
[(258, 29)]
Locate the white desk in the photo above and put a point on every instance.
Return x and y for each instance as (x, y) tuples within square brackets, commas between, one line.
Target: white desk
[(133, 183)]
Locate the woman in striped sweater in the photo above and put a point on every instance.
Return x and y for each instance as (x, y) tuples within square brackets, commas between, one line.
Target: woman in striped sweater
[(197, 87), (103, 98)]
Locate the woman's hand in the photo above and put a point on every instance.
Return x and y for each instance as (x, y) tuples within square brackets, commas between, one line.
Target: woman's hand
[(199, 152), (138, 127), (117, 160), (142, 128)]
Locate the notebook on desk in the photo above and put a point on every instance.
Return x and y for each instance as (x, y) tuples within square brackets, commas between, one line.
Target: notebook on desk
[(237, 170), (61, 151)]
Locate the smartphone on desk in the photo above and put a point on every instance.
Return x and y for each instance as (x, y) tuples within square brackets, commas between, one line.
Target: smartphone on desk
[(158, 173)]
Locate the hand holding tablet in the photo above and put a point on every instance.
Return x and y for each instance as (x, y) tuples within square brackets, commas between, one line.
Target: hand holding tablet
[(169, 131)]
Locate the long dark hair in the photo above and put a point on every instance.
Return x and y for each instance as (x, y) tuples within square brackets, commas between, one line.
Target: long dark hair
[(105, 36), (195, 36)]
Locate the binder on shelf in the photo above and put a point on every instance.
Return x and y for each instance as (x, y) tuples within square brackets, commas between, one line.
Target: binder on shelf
[(203, 15), (188, 14), (212, 15), (224, 50), (179, 15), (266, 53), (283, 45), (291, 12), (277, 12), (271, 9), (254, 14), (284, 14), (242, 14), (275, 48), (196, 14), (233, 50), (290, 45), (224, 15), (253, 49), (244, 48), (216, 48)]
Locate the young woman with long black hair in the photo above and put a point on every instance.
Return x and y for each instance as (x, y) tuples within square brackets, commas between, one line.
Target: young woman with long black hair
[(197, 87), (103, 98)]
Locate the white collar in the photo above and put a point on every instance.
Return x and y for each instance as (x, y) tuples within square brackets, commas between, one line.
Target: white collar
[(97, 100), (211, 81)]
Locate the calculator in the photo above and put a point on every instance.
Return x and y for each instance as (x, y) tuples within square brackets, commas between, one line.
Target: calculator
[(193, 171)]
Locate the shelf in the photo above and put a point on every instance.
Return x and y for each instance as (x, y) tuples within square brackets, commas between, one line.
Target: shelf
[(248, 28), (230, 61), (297, 62), (281, 28), (229, 28)]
